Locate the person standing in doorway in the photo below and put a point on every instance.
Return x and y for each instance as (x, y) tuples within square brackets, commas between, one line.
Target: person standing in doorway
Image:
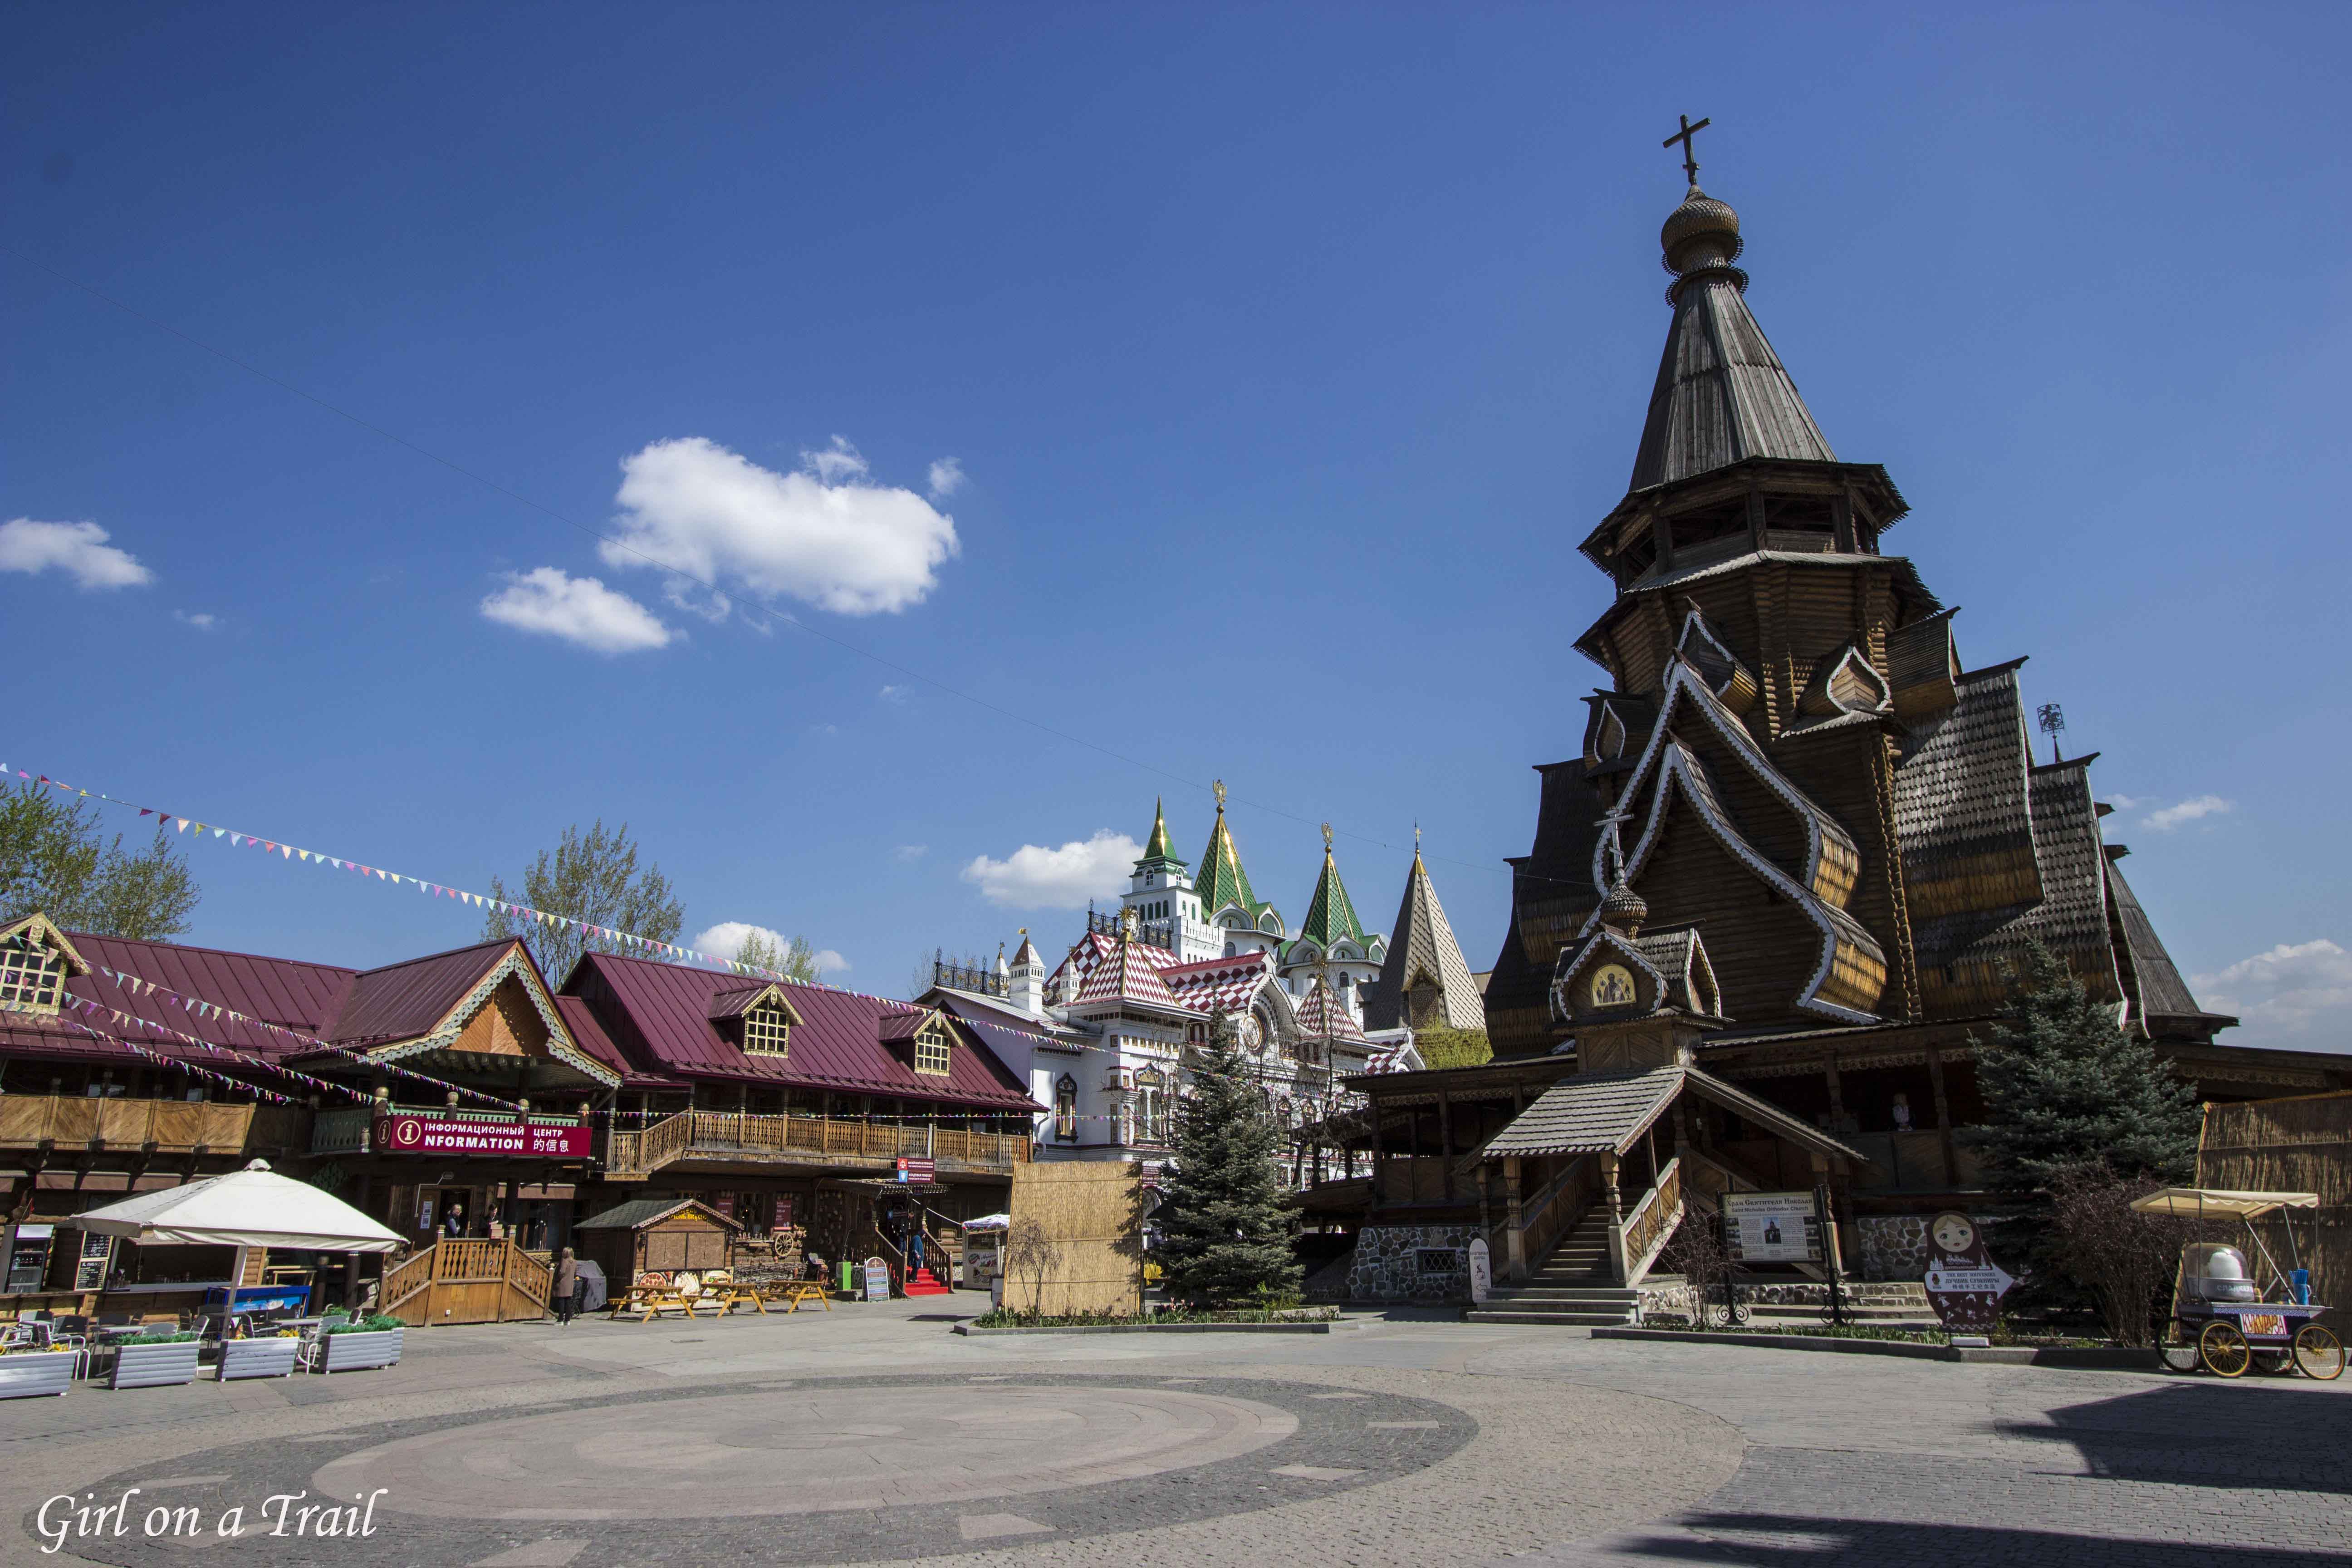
[(566, 1290)]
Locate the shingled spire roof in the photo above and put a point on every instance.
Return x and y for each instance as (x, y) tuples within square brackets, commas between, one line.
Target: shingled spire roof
[(1159, 849), (1423, 952), (1331, 916), (1221, 881), (1722, 394)]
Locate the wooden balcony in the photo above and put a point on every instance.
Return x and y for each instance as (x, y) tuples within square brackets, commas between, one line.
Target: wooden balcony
[(735, 1137), (152, 1126)]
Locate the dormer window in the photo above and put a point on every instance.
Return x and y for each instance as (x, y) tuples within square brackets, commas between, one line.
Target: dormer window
[(757, 1019), (35, 960), (933, 1055), (767, 1032), (32, 973)]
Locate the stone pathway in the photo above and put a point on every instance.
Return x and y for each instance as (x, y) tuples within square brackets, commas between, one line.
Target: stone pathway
[(872, 1435)]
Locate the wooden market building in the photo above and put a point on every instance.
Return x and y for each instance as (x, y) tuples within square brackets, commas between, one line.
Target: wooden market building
[(462, 1100)]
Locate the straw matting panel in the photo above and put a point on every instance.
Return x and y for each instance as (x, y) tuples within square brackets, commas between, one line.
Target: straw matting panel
[(2302, 1144), (1093, 1213)]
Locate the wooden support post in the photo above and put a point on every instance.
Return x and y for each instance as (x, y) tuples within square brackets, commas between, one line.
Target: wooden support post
[(1615, 1198), (1516, 1236), (1837, 1093), (1943, 1117), (1445, 1144)]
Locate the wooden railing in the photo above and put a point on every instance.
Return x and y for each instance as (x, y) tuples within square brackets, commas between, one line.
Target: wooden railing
[(1550, 1212), (1646, 1230), (171, 1126), (814, 1137), (405, 1278), (469, 1281)]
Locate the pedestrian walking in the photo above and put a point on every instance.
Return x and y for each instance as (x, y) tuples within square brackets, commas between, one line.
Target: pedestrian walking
[(567, 1287)]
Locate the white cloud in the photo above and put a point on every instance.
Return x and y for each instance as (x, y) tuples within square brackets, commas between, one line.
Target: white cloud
[(2126, 802), (2167, 818), (908, 853), (79, 549), (203, 620), (896, 694), (839, 461), (827, 535), (2283, 996), (578, 609), (946, 477), (727, 938), (1036, 878)]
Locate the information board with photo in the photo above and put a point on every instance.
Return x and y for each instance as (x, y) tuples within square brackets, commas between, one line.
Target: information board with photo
[(1772, 1227)]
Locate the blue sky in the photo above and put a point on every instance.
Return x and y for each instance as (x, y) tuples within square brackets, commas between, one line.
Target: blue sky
[(1283, 354)]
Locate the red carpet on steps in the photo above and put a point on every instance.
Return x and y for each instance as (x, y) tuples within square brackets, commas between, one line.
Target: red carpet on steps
[(922, 1283)]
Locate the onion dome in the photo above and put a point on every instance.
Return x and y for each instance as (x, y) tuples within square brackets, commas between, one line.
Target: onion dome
[(1700, 235), (1622, 909)]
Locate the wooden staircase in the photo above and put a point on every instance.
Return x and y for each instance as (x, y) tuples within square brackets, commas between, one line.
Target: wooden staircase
[(923, 1282), (1574, 1285)]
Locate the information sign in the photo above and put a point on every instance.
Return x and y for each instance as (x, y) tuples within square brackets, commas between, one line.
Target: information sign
[(409, 1133), (878, 1280), (1482, 1270), (1772, 1227), (918, 1170), (1964, 1284)]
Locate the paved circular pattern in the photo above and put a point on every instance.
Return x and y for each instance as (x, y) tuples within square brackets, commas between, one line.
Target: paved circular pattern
[(803, 1450), (810, 1471)]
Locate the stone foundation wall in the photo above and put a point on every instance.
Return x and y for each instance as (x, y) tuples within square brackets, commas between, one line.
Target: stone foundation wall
[(1894, 1247), (1394, 1263)]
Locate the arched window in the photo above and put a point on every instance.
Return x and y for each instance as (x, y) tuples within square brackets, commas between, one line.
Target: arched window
[(1065, 1109)]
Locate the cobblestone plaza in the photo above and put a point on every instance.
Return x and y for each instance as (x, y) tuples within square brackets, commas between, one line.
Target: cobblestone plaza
[(873, 1434)]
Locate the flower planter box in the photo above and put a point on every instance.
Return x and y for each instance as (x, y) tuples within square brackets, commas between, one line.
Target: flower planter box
[(350, 1352), (154, 1366), (272, 1357), (30, 1372)]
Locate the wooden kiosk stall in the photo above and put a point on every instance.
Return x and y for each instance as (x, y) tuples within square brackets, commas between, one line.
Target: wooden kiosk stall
[(650, 1241)]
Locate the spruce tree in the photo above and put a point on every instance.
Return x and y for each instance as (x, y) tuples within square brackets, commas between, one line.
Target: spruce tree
[(2063, 1087), (1225, 1232), (2069, 1098)]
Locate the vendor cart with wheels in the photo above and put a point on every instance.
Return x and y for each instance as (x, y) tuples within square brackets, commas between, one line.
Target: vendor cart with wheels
[(2234, 1309)]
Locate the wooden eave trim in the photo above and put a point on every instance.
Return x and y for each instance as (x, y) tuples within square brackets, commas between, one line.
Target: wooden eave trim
[(75, 963), (516, 962)]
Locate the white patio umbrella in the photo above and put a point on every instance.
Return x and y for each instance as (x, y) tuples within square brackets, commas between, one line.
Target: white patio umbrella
[(248, 1208)]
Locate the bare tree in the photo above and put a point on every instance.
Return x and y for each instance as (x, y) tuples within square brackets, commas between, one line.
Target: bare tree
[(2125, 1258), (1031, 1254), (1698, 1254)]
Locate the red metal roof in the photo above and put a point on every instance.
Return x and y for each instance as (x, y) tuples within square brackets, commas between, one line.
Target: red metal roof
[(402, 1001), (302, 997), (593, 1042), (658, 1014)]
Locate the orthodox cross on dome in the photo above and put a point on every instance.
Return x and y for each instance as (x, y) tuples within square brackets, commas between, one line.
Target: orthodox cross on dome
[(1612, 853), (1690, 157)]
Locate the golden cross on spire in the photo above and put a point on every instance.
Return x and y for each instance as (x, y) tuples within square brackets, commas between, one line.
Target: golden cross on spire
[(1690, 159)]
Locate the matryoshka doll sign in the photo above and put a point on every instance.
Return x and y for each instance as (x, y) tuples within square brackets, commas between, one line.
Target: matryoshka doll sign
[(1964, 1284)]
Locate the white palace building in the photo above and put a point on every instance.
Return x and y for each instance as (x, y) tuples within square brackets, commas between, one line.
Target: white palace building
[(1100, 1037)]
